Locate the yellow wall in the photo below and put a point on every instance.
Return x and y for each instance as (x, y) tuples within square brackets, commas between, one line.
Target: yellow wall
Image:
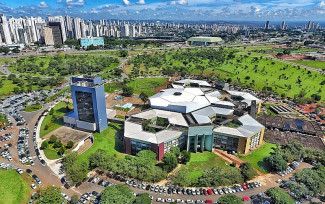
[(243, 145), (261, 137), (259, 107)]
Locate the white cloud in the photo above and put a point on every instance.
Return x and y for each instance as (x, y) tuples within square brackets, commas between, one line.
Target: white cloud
[(141, 2), (178, 2), (42, 5), (75, 3), (126, 2)]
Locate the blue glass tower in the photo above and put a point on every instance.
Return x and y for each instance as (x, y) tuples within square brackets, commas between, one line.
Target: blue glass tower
[(88, 97)]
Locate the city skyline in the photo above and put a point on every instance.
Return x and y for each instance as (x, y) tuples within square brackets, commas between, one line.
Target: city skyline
[(180, 10)]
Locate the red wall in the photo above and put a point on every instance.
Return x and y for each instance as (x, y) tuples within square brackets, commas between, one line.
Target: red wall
[(158, 149), (127, 144)]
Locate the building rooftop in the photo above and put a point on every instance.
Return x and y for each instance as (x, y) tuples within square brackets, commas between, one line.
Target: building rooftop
[(246, 97), (203, 115), (248, 127), (205, 39), (183, 100), (192, 81)]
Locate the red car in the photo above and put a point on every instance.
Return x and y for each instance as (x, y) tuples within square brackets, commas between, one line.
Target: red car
[(210, 192), (205, 192), (209, 201), (245, 198), (244, 186)]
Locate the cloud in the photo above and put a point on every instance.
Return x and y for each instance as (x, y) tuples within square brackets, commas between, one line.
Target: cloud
[(75, 2), (42, 5), (2, 3), (126, 2), (141, 2), (178, 2), (58, 1)]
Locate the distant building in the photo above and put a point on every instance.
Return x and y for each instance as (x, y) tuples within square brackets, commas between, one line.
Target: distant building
[(4, 30), (267, 25), (95, 41), (88, 97), (283, 25), (52, 35), (204, 41)]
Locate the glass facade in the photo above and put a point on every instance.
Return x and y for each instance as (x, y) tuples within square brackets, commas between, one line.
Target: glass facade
[(225, 142), (255, 139), (178, 142), (85, 106), (137, 146)]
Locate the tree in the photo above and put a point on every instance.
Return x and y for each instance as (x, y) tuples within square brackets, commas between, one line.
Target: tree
[(299, 189), (217, 176), (70, 144), (75, 171), (276, 162), (45, 144), (169, 162), (230, 199), (117, 194), (51, 111), (182, 178), (57, 144), (53, 139), (144, 97), (74, 199), (279, 196), (143, 198), (49, 195), (127, 90), (123, 53), (61, 151), (175, 151), (247, 171), (185, 156), (46, 127)]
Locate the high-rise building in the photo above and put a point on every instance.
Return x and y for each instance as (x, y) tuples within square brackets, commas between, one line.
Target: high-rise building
[(125, 31), (310, 24), (88, 97), (4, 29), (132, 31), (52, 35), (77, 28), (283, 25), (267, 25), (58, 21)]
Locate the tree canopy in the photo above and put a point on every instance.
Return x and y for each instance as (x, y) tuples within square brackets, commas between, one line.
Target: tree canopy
[(119, 193), (50, 195)]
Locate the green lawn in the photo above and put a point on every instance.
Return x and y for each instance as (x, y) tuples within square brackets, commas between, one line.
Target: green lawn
[(14, 188), (6, 60), (147, 85), (201, 161), (32, 108), (3, 120), (54, 121), (1, 73), (256, 157), (51, 154), (108, 141), (314, 64)]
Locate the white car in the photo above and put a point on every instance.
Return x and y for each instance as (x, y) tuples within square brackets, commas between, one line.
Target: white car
[(20, 171), (65, 196), (33, 186)]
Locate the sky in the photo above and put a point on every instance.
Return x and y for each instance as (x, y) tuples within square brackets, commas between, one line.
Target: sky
[(174, 10)]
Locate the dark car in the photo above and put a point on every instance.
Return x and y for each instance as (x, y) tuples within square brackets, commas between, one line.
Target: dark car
[(169, 191), (67, 186), (63, 180), (29, 171), (148, 187), (43, 162), (90, 179), (95, 193), (78, 184)]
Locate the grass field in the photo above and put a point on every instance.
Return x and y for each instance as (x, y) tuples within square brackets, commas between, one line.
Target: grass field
[(32, 108), (51, 154), (6, 60), (54, 121), (1, 73), (201, 161), (249, 70), (147, 85), (106, 140), (314, 64), (14, 188), (3, 120), (256, 157)]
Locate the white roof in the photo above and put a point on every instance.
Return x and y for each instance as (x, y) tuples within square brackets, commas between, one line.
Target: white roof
[(247, 97), (134, 131), (173, 117), (202, 116), (226, 103), (182, 100), (249, 127), (187, 81)]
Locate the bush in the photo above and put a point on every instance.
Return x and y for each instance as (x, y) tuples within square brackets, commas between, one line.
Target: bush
[(53, 139), (185, 156), (70, 144), (45, 144), (230, 199), (247, 171), (169, 162), (46, 127)]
